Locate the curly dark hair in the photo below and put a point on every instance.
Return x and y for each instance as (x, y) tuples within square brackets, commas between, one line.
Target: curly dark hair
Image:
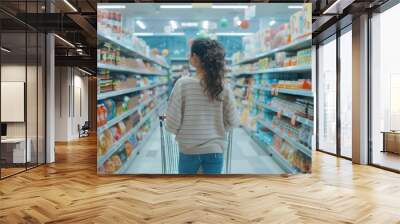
[(212, 59)]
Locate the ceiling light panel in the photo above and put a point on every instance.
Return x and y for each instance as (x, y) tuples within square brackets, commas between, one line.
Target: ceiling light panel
[(111, 6), (176, 6), (295, 7), (189, 24), (229, 6), (141, 24)]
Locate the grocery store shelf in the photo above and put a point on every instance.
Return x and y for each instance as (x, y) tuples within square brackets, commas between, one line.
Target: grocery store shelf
[(187, 59), (297, 68), (296, 45), (298, 92), (106, 95), (284, 164), (129, 49), (126, 114), (179, 59), (116, 145), (137, 150), (128, 70), (290, 140), (287, 114)]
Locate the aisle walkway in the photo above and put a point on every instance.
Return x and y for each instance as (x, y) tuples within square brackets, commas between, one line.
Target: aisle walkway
[(149, 159), (247, 157)]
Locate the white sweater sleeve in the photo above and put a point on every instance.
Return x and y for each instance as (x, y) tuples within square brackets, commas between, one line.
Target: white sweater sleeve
[(175, 109), (231, 118)]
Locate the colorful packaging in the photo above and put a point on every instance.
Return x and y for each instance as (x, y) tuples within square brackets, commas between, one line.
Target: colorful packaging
[(111, 109)]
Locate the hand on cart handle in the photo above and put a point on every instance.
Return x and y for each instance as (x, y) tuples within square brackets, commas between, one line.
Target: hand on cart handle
[(163, 117)]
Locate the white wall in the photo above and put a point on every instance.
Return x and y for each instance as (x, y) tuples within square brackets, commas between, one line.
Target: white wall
[(70, 83), (61, 103)]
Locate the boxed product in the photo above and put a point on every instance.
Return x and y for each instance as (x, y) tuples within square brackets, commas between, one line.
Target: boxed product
[(304, 57), (105, 85), (101, 115), (301, 22), (282, 36), (111, 108), (105, 141)]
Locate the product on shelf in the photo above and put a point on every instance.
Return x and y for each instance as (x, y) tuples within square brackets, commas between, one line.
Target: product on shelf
[(110, 25), (101, 115), (271, 95), (110, 22), (111, 108), (304, 57), (295, 158), (105, 85), (276, 36), (300, 22), (281, 36), (105, 142)]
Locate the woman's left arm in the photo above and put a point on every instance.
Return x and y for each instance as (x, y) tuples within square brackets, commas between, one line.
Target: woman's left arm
[(175, 109)]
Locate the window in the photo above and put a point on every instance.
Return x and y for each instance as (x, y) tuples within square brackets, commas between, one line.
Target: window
[(385, 89), (327, 96), (346, 94)]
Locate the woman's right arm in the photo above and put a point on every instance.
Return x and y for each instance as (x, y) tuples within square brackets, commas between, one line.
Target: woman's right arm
[(231, 118), (175, 109)]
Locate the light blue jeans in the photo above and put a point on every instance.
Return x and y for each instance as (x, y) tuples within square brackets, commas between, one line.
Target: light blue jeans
[(210, 163)]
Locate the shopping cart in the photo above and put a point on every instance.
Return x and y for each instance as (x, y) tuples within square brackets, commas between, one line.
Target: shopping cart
[(170, 151)]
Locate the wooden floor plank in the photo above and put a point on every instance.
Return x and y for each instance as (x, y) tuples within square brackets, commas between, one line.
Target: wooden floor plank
[(70, 191)]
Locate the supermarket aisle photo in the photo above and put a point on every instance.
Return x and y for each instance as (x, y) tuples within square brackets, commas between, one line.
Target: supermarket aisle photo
[(267, 50)]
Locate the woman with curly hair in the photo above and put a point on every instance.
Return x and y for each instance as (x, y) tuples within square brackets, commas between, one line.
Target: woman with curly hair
[(201, 110)]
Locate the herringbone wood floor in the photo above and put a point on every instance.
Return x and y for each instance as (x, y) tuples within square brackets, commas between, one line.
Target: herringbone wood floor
[(69, 191)]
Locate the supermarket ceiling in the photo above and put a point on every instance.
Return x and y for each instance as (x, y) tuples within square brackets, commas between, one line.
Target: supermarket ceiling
[(157, 17)]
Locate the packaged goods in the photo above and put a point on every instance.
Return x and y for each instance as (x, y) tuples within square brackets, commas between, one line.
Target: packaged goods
[(116, 160), (304, 57), (122, 127), (111, 108), (281, 37), (300, 23), (128, 148), (105, 142), (105, 85), (280, 58), (116, 133), (101, 115)]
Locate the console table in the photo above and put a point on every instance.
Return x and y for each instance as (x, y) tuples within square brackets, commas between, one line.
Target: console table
[(391, 141), (13, 150)]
